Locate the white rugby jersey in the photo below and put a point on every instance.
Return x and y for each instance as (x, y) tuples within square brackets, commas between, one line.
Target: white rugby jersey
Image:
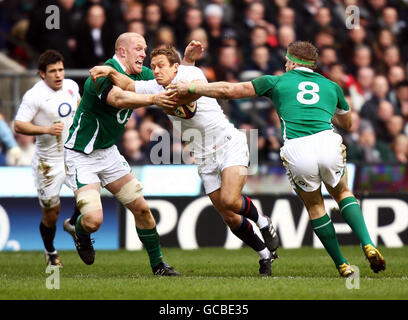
[(210, 128), (42, 106)]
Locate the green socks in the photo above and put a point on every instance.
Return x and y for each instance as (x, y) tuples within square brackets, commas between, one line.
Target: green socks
[(324, 229), (150, 240), (351, 212)]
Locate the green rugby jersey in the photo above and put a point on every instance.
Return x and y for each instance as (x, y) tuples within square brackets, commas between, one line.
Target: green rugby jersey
[(98, 125), (304, 100)]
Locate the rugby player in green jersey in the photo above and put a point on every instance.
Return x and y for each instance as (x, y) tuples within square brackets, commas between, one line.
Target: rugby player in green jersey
[(307, 104), (92, 159)]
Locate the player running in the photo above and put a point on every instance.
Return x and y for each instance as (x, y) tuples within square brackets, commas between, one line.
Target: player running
[(307, 103), (93, 160), (220, 150), (47, 112)]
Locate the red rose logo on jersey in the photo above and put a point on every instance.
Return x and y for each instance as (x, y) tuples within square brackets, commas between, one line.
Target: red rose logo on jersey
[(186, 111)]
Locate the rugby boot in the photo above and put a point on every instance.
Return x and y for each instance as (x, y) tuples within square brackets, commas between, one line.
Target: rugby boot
[(164, 269), (377, 261), (345, 270)]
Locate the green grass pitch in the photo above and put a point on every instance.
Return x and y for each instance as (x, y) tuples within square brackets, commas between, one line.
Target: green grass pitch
[(207, 274)]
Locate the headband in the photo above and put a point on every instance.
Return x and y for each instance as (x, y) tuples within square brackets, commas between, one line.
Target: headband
[(290, 57)]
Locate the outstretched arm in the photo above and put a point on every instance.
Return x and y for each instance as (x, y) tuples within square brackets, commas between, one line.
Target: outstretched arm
[(119, 98), (219, 90), (119, 79)]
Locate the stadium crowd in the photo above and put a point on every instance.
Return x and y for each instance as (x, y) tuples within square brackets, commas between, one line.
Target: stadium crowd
[(243, 39)]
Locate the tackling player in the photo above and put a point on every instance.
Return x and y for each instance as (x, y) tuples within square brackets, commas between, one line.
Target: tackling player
[(93, 160), (220, 150), (307, 103), (47, 111)]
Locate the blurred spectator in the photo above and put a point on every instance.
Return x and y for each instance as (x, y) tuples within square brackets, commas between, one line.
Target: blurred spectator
[(171, 13), (369, 149), (53, 35), (96, 41), (260, 61), (385, 112), (325, 38), (400, 148), (27, 146), (227, 10), (11, 152), (286, 35), (136, 26), (152, 21), (205, 62), (352, 136), (395, 75), (362, 58), (357, 37), (132, 147), (229, 64), (193, 19), (363, 90), (385, 38), (213, 24), (391, 58), (339, 75), (254, 15), (395, 126), (321, 20), (328, 56), (380, 92), (391, 21), (402, 99)]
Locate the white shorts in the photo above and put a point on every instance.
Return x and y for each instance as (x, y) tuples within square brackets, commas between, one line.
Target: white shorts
[(104, 166), (233, 153), (312, 159), (48, 179)]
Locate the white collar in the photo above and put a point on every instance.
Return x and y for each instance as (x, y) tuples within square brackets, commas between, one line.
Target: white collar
[(303, 69), (118, 61)]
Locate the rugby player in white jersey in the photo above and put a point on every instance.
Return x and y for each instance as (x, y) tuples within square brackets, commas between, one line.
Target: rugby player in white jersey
[(47, 112), (220, 150)]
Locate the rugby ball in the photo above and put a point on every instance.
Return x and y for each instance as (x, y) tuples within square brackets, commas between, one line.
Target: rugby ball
[(185, 111)]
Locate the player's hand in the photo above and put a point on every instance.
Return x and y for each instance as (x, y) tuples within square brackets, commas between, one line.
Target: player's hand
[(56, 129), (165, 99), (100, 72), (193, 52), (180, 87), (13, 156)]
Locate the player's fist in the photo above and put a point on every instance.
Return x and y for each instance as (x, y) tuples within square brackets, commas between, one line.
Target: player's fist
[(193, 52), (100, 72), (56, 129), (13, 156)]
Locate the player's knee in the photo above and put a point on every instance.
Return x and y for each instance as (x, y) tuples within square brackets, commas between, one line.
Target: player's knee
[(231, 202), (92, 223), (129, 192), (88, 201)]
